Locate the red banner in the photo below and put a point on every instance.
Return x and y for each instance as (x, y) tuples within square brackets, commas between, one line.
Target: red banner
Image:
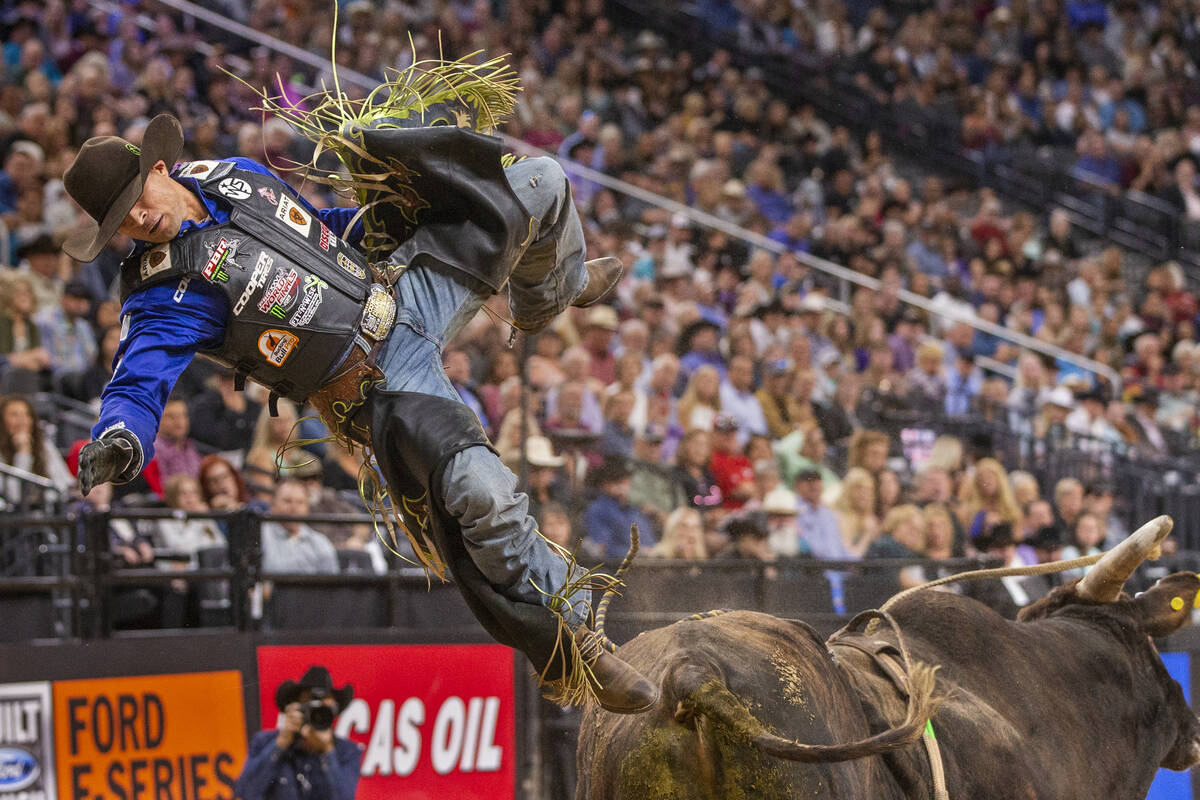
[(436, 721)]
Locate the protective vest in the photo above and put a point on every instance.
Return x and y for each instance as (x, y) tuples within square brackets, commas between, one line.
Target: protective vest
[(298, 295)]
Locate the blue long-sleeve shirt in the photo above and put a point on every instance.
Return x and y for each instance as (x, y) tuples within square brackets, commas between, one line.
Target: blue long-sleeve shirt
[(606, 522), (294, 774), (164, 326)]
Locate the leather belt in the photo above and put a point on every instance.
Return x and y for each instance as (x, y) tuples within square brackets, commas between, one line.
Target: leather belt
[(341, 399)]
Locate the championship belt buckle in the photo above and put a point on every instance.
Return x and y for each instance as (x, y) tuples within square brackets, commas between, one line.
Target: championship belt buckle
[(379, 313)]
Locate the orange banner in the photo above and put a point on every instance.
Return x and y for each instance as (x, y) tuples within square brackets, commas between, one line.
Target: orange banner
[(156, 737)]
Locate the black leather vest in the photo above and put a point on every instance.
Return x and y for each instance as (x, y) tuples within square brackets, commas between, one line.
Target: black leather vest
[(296, 292)]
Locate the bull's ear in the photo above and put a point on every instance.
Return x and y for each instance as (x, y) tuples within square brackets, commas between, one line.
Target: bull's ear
[(1167, 604)]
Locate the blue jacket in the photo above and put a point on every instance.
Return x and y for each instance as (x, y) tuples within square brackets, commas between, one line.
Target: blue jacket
[(164, 326), (295, 774)]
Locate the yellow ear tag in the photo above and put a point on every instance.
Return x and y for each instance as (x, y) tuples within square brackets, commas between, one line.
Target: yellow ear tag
[(1177, 603)]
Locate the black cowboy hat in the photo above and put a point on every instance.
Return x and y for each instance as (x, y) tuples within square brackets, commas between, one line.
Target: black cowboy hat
[(317, 681), (614, 468), (107, 178)]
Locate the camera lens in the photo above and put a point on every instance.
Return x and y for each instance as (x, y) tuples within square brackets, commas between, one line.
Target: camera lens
[(320, 716)]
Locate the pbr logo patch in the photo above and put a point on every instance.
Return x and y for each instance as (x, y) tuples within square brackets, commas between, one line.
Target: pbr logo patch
[(268, 194), (258, 278), (314, 293), (354, 269), (281, 295), (155, 260), (234, 188), (198, 169), (276, 346), (221, 255), (296, 217), (326, 236)]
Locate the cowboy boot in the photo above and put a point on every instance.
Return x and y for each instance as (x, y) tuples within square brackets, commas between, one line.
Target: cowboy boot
[(619, 687), (603, 275)]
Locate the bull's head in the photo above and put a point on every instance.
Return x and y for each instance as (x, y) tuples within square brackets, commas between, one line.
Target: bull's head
[(1157, 612)]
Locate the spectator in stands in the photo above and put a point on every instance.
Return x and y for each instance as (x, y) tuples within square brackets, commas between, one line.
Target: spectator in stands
[(655, 489), (817, 525), (87, 385), (939, 532), (1025, 487), (617, 438), (176, 453), (902, 534), (964, 383), (607, 519), (41, 262), (926, 381), (683, 536), (294, 547), (1087, 537), (987, 498), (24, 445), (868, 449), (221, 485), (1182, 192), (747, 532), (555, 525), (1098, 501), (888, 492), (20, 339), (1050, 424), (855, 510), (739, 401), (599, 326), (1068, 502), (181, 535), (783, 411), (701, 400), (693, 473), (546, 482), (224, 418), (271, 433), (64, 331), (1151, 441), (729, 465)]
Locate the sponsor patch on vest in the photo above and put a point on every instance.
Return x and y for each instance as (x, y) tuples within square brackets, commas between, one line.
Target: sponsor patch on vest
[(354, 269), (314, 293), (182, 288), (296, 217), (220, 256), (262, 268), (281, 294), (268, 194), (234, 188), (326, 236), (276, 346), (198, 169), (155, 260)]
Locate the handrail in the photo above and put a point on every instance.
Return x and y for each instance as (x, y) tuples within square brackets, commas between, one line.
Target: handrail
[(29, 477), (695, 215)]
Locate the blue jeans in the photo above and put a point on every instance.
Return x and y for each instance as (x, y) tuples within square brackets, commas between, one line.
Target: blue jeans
[(433, 305)]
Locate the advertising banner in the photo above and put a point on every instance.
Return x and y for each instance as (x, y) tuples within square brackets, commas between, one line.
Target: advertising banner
[(26, 743), (153, 737), (435, 721)]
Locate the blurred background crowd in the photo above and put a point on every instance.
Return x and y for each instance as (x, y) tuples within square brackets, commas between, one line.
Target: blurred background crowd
[(736, 399)]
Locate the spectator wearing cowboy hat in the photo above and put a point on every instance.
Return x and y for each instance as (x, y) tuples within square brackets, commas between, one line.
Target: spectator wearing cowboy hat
[(607, 520), (301, 758)]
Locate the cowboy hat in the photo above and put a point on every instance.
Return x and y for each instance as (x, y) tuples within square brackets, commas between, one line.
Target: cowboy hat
[(318, 681), (107, 178)]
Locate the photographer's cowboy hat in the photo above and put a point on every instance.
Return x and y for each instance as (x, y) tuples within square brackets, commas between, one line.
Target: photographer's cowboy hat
[(318, 681), (108, 176)]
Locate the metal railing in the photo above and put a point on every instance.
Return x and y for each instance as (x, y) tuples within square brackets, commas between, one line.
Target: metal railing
[(844, 276)]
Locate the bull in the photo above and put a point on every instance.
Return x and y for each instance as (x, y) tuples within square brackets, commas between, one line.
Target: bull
[(1069, 701)]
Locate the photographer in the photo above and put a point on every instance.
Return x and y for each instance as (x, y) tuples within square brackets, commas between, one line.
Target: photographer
[(302, 759)]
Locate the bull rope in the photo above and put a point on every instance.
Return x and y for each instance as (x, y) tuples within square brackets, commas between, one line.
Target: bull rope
[(933, 750)]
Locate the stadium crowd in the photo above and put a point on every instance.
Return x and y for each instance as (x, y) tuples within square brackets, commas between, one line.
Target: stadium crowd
[(724, 401)]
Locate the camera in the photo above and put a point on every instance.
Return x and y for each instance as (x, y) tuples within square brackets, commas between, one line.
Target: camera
[(316, 713)]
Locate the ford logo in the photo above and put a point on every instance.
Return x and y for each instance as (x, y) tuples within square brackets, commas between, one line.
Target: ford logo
[(18, 769)]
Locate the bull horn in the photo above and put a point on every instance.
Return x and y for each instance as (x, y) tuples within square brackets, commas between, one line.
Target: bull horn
[(1103, 583)]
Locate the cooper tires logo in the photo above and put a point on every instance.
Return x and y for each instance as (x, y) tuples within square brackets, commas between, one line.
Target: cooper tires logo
[(257, 279)]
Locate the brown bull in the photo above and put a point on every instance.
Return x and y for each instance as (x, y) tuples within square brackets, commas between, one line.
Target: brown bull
[(1072, 701)]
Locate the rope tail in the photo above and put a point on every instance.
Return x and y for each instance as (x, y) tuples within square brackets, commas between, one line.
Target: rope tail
[(611, 592)]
